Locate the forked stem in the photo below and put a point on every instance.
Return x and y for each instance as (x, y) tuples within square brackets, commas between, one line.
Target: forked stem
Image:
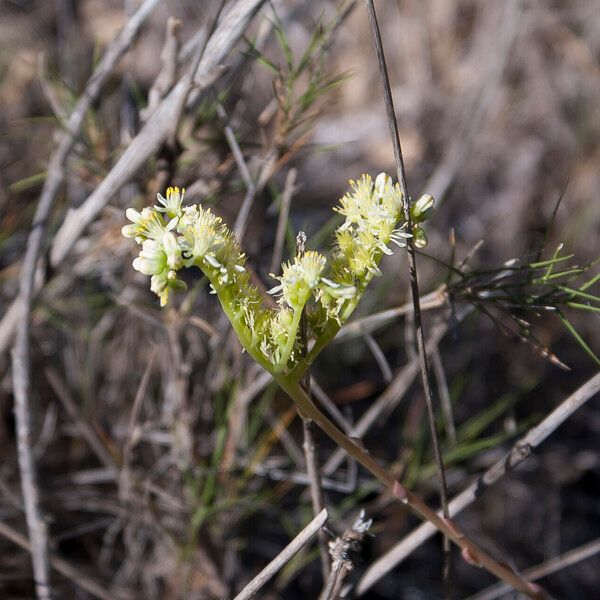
[(471, 552)]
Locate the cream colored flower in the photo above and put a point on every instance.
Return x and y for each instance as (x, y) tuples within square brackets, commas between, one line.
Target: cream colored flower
[(171, 205), (299, 278)]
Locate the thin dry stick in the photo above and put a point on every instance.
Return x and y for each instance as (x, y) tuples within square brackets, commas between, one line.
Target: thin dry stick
[(238, 155), (370, 323), (280, 428), (56, 166), (518, 453), (62, 566), (142, 147), (379, 357), (329, 405), (311, 449), (412, 269), (283, 557), (157, 128), (167, 76), (125, 476), (87, 431), (266, 170), (284, 211), (20, 356), (546, 568)]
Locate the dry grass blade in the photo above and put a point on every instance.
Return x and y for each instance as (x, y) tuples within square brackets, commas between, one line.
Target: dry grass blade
[(372, 322), (158, 127), (284, 211), (58, 564), (387, 401), (547, 568), (412, 270), (283, 557), (27, 290), (519, 452), (56, 168), (87, 431)]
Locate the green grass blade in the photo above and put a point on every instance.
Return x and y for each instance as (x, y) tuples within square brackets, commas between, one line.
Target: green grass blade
[(578, 338)]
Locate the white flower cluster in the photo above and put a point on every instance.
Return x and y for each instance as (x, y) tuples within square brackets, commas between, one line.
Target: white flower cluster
[(161, 256), (372, 214), (173, 236)]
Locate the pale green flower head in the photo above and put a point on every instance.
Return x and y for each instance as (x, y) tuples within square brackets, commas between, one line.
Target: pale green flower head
[(300, 277), (203, 234), (419, 236), (325, 289)]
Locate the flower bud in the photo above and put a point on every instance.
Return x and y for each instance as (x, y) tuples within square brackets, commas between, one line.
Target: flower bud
[(419, 237), (421, 210), (382, 181), (171, 249)]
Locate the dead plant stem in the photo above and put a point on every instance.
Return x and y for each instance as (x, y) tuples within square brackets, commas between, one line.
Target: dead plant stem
[(412, 269), (310, 446), (516, 455), (283, 557), (24, 408)]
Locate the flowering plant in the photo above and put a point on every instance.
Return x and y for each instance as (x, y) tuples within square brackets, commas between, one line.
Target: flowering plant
[(173, 236), (324, 291)]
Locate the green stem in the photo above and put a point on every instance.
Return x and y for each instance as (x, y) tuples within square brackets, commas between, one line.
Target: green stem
[(240, 328), (289, 345), (331, 331), (293, 388)]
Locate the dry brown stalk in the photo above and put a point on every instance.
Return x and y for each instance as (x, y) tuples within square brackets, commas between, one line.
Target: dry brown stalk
[(471, 552), (414, 284), (310, 445), (387, 401), (145, 144)]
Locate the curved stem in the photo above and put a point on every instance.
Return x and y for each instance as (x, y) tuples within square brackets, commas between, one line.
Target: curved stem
[(471, 551)]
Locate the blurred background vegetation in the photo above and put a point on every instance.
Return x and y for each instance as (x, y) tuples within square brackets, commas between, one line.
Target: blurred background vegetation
[(169, 466)]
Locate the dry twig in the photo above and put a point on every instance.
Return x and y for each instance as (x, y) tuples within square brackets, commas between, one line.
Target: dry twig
[(157, 128), (387, 401), (283, 557), (518, 453), (284, 211), (412, 269), (146, 143), (27, 289), (547, 568), (310, 447)]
